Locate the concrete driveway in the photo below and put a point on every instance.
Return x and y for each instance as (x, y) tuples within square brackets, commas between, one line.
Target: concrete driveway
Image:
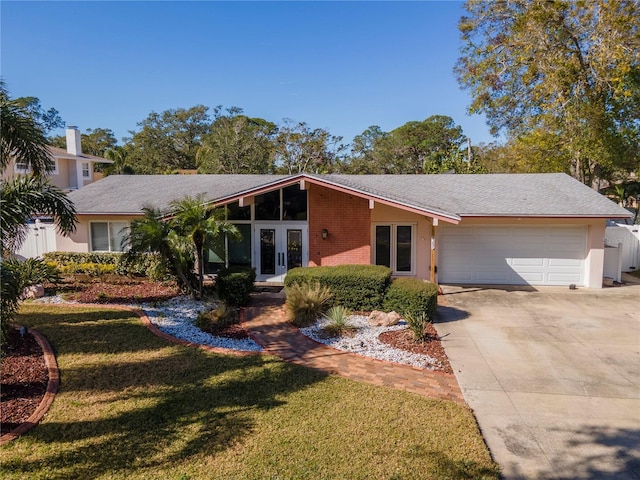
[(553, 376)]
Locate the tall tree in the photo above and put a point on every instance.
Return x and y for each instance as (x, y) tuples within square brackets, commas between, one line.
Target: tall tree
[(299, 148), (169, 140), (565, 73), (429, 146), (363, 159), (237, 144), (47, 120)]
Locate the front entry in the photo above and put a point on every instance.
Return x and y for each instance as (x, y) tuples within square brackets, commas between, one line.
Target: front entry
[(279, 248)]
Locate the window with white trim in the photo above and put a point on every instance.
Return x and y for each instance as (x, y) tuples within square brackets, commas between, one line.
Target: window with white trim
[(86, 170), (108, 236), (23, 167), (394, 247)]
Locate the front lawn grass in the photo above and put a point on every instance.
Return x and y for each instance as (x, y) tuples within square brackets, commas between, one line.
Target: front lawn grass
[(131, 405)]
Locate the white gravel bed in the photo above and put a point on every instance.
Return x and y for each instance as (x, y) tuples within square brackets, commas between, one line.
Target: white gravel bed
[(54, 299), (176, 317), (365, 342)]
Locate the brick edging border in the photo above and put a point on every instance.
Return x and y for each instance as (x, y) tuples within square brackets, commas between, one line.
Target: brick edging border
[(52, 388)]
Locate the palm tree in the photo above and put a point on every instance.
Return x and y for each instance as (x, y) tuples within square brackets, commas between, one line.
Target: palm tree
[(24, 197), (21, 136), (21, 198), (205, 227), (151, 234)]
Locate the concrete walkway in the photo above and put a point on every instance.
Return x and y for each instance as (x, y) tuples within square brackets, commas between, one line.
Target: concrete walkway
[(553, 377), (264, 320)]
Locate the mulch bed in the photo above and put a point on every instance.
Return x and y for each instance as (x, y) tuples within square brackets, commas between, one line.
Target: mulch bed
[(404, 340), (23, 380), (123, 291)]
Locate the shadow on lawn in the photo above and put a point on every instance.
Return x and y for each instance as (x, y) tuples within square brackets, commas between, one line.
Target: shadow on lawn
[(174, 403)]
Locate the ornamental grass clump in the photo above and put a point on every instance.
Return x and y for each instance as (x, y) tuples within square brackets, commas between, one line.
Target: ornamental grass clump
[(306, 303), (217, 319), (417, 323), (338, 317)]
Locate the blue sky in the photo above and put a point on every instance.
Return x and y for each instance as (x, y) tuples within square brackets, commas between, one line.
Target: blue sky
[(342, 66)]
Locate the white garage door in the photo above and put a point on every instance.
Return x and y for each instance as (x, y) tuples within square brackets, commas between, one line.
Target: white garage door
[(512, 255)]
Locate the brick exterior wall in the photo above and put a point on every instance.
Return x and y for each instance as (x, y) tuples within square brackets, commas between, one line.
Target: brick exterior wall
[(348, 220)]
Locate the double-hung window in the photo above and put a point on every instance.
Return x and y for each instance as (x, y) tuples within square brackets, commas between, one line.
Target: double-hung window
[(86, 170), (107, 236), (394, 247)]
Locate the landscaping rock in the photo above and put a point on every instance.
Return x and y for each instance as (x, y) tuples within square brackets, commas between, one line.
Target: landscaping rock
[(34, 291), (382, 319)]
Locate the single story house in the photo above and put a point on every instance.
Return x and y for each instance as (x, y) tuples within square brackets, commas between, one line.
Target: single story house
[(514, 229)]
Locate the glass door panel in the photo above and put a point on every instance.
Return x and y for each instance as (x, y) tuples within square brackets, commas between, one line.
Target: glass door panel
[(267, 251), (294, 248)]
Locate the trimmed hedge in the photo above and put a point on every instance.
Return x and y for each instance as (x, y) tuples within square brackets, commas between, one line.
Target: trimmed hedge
[(412, 296), (235, 286), (150, 265), (356, 287)]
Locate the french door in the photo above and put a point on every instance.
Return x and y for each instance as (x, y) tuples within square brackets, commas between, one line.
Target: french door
[(279, 248)]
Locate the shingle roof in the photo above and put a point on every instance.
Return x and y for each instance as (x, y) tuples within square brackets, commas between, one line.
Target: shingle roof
[(118, 194), (454, 196)]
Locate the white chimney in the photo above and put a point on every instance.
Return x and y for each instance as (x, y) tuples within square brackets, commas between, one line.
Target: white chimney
[(74, 146)]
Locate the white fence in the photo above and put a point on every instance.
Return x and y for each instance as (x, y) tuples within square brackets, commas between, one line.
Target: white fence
[(41, 238), (627, 237)]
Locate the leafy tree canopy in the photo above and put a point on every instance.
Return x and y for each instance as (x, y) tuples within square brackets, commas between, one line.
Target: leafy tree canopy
[(299, 148), (47, 120), (558, 77), (237, 144), (169, 140), (430, 146)]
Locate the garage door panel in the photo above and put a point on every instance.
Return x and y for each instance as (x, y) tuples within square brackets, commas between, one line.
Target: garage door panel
[(540, 255), (531, 277), (564, 278), (527, 262)]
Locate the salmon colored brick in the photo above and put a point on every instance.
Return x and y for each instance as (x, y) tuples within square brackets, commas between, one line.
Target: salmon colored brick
[(348, 220)]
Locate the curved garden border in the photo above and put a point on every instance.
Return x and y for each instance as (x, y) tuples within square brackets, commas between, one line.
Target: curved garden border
[(52, 388)]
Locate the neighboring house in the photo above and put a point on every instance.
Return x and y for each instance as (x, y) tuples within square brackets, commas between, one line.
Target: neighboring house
[(72, 169), (537, 229)]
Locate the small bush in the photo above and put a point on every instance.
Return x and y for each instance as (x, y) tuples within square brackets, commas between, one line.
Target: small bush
[(217, 319), (235, 287), (306, 303), (417, 324), (357, 287), (338, 321), (412, 296)]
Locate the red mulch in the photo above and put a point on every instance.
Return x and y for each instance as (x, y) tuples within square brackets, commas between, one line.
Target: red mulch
[(124, 290), (404, 340), (23, 380)]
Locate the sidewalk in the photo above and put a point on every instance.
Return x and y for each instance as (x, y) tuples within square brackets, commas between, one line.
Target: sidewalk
[(264, 320)]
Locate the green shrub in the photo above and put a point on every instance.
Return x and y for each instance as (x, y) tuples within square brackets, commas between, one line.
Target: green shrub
[(412, 296), (306, 303), (417, 323), (149, 265), (235, 286), (357, 287), (338, 321), (217, 319)]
